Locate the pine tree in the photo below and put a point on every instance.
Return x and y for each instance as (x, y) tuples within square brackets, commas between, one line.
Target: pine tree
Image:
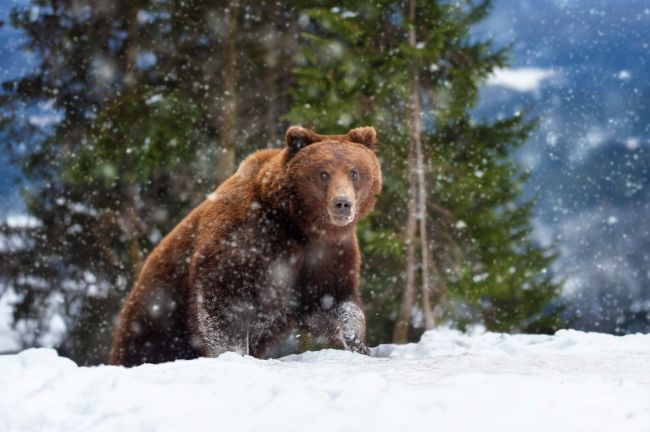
[(451, 219)]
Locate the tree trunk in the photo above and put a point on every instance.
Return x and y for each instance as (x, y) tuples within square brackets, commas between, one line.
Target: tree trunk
[(135, 254), (439, 290), (130, 226), (131, 51), (417, 207), (271, 97), (416, 138), (228, 117), (400, 333)]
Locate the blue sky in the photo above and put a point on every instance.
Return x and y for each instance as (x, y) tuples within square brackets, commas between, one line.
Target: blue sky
[(13, 63)]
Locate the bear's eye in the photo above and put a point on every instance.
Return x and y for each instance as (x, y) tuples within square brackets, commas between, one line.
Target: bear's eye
[(324, 175), (354, 175)]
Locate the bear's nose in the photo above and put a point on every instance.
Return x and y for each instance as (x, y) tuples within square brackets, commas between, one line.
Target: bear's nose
[(342, 206)]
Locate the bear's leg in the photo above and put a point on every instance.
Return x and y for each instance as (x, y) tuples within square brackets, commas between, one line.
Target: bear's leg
[(344, 322), (222, 330), (267, 330)]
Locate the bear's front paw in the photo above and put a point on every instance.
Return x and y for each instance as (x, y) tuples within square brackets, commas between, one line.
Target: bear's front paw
[(355, 344), (352, 327)]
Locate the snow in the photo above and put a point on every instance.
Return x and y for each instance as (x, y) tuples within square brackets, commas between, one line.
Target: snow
[(9, 337), (448, 381), (22, 221), (524, 80)]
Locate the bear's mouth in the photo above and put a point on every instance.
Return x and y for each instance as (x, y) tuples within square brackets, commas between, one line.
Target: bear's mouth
[(339, 220)]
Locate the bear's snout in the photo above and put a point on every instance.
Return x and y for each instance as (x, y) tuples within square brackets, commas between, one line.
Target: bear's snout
[(342, 206), (342, 210)]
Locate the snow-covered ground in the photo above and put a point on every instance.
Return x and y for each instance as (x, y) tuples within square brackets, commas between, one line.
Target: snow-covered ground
[(449, 381)]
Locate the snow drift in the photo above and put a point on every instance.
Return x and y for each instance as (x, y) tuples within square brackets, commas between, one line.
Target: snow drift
[(448, 381)]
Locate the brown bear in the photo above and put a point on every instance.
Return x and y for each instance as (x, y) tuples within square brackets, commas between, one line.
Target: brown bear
[(273, 247)]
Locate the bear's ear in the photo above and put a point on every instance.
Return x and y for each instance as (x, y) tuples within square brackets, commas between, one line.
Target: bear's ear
[(298, 137), (364, 135)]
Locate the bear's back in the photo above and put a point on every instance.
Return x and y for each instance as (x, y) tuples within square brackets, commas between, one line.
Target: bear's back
[(229, 206), (251, 166)]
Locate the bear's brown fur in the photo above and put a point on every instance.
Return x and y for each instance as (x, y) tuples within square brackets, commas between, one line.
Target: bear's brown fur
[(274, 246)]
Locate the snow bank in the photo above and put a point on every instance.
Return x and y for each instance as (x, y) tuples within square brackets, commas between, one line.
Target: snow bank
[(449, 381), (9, 337)]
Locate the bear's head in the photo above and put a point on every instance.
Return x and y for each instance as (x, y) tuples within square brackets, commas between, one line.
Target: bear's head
[(333, 180)]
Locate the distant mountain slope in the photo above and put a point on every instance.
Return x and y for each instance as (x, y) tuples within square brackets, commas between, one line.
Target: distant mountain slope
[(589, 158)]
